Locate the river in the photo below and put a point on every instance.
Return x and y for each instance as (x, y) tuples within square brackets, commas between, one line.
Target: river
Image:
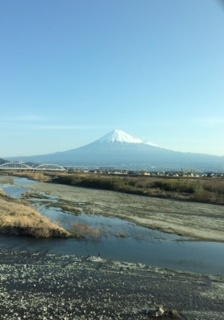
[(119, 239)]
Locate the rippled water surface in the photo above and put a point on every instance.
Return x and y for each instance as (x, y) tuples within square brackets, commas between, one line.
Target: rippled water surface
[(119, 240)]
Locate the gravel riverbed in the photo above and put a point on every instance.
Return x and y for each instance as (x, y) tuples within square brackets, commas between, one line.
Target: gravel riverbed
[(47, 286)]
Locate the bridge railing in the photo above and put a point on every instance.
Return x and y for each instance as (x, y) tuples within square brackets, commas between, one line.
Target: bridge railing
[(23, 166)]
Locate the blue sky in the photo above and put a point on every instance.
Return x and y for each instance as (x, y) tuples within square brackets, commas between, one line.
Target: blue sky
[(73, 70)]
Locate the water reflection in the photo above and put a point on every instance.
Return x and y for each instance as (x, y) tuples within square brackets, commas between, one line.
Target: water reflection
[(13, 191), (185, 256), (107, 226)]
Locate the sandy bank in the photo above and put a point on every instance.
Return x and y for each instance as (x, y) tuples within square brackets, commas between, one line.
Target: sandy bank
[(194, 220)]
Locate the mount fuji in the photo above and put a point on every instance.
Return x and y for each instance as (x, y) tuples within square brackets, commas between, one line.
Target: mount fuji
[(119, 150)]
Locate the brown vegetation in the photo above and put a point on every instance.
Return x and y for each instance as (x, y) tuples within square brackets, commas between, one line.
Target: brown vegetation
[(200, 189), (37, 176), (207, 190), (81, 230), (194, 220), (17, 218)]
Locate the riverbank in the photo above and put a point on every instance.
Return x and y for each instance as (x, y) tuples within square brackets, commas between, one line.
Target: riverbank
[(195, 189), (20, 219), (43, 286), (196, 221), (49, 286), (204, 190)]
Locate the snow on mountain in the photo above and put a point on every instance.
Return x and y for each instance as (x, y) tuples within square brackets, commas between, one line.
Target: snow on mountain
[(119, 136), (118, 149), (149, 143)]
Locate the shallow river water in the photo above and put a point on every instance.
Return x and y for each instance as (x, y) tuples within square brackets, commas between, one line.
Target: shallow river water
[(119, 240)]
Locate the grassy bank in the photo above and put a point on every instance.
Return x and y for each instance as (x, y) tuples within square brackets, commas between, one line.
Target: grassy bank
[(19, 219), (200, 189), (206, 190)]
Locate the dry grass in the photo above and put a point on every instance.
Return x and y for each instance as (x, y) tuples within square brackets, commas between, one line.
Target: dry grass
[(206, 190), (20, 219), (81, 230), (37, 176)]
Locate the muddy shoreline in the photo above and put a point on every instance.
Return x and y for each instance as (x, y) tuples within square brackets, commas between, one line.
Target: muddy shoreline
[(43, 286)]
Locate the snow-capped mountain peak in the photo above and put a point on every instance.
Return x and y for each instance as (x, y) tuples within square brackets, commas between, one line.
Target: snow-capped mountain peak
[(119, 150), (119, 136)]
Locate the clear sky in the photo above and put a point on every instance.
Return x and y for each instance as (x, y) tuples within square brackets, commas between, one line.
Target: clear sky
[(71, 71)]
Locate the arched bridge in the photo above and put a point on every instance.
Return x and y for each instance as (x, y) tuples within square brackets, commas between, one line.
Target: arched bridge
[(15, 166), (23, 166), (50, 167)]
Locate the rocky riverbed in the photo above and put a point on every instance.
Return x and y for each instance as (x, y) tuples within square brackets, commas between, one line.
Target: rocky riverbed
[(43, 286)]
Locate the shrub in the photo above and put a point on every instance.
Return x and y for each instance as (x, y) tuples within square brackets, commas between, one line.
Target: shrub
[(174, 186), (81, 230)]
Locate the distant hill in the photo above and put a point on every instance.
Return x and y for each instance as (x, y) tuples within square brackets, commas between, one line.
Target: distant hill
[(118, 149), (2, 161)]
